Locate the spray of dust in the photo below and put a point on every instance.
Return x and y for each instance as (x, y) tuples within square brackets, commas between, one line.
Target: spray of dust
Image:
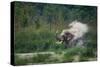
[(78, 29)]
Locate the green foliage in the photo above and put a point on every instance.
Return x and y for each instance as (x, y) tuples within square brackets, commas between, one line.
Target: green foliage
[(32, 41), (27, 14)]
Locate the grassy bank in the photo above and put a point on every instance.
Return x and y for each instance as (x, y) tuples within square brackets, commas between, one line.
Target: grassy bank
[(69, 55)]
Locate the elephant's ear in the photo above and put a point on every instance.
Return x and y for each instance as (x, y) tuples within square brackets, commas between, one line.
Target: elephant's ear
[(69, 36)]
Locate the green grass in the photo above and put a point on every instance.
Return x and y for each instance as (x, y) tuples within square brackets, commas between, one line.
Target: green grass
[(33, 41), (69, 55)]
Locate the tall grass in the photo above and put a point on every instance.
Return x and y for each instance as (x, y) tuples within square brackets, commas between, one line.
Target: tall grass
[(35, 40)]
